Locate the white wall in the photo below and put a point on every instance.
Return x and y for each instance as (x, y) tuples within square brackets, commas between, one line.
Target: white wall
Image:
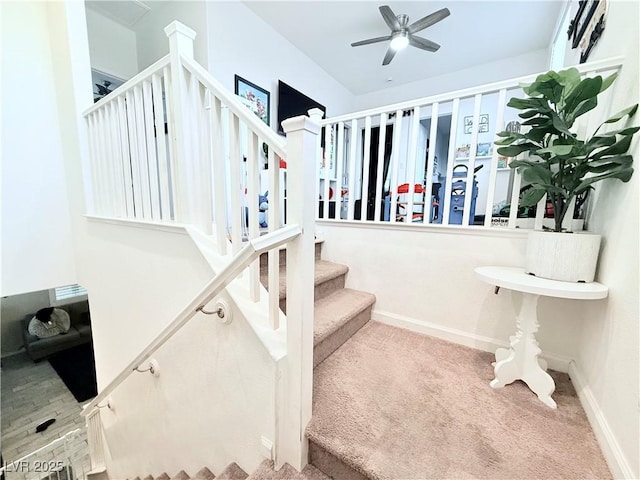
[(423, 279), (37, 250), (532, 62), (214, 397), (153, 43), (112, 46), (608, 348), (241, 43)]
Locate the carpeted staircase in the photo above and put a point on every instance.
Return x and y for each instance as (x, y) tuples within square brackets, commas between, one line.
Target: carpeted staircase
[(391, 404)]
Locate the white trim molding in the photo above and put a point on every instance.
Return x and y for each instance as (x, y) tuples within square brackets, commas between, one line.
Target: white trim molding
[(613, 454), (559, 363)]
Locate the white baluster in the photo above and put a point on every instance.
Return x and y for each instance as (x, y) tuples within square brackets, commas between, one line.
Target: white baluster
[(152, 157), (468, 192), (433, 137), (143, 158), (125, 157), (315, 114), (395, 160), (203, 164), (133, 152), (163, 161), (491, 188), (329, 147), (273, 165), (172, 148), (121, 207), (515, 200), (352, 168), (339, 171), (380, 171), (219, 177), (411, 166), (235, 163), (445, 203), (365, 169), (253, 190)]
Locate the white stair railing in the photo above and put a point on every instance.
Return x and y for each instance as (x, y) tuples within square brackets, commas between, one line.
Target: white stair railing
[(65, 458), (410, 162)]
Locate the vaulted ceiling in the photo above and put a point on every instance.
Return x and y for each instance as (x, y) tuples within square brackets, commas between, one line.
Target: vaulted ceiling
[(476, 32)]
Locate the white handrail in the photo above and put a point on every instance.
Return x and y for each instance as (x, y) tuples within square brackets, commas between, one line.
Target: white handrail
[(129, 84), (598, 66), (236, 106), (238, 263), (46, 448)]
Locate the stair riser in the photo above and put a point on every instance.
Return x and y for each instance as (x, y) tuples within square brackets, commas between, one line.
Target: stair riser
[(320, 291), (330, 344), (331, 465), (264, 258)]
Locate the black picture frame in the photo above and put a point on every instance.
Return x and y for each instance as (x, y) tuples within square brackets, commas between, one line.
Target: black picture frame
[(593, 39), (582, 19), (571, 33), (256, 98)]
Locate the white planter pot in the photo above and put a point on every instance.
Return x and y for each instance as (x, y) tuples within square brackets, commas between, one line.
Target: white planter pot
[(570, 257)]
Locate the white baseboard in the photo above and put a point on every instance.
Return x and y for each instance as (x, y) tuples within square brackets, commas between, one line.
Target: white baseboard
[(556, 362), (613, 454)]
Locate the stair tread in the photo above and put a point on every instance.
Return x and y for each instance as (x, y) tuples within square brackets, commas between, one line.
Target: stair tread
[(266, 472), (232, 472), (204, 474), (324, 271), (335, 310)]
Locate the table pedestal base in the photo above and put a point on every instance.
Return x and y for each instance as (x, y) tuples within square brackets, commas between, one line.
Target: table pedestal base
[(520, 361)]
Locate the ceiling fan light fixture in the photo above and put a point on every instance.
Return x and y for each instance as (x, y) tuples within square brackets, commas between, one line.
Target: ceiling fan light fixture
[(400, 41)]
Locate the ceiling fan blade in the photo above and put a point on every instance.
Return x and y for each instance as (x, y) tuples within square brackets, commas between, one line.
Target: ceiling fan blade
[(423, 43), (428, 20), (371, 40), (389, 17), (389, 56)]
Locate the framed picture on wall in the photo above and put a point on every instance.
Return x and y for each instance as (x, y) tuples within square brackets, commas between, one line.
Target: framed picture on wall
[(255, 98), (103, 84), (484, 123)]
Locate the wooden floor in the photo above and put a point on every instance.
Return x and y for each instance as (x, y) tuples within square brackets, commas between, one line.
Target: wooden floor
[(30, 394)]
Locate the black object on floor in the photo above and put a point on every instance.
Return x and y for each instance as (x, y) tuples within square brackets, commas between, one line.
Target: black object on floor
[(44, 425), (76, 368)]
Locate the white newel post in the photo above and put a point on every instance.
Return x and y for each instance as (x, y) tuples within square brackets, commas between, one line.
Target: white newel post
[(187, 180), (301, 164)]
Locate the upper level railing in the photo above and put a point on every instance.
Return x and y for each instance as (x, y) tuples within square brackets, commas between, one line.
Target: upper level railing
[(172, 145), (412, 161)]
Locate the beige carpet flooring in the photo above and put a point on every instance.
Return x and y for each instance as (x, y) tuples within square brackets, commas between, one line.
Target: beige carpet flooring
[(393, 404)]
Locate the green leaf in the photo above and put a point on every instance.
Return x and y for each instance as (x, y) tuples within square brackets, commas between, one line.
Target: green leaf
[(586, 89), (559, 124), (557, 150), (618, 148), (622, 174), (606, 83), (528, 114), (516, 150), (538, 121), (623, 113), (537, 174), (532, 196), (584, 107)]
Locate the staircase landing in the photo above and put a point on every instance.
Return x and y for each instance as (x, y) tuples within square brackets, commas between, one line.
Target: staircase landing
[(392, 404)]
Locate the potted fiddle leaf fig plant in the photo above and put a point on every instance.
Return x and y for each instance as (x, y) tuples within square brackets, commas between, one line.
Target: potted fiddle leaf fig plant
[(560, 164)]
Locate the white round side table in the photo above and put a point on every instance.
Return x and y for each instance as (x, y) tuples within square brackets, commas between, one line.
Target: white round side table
[(520, 361)]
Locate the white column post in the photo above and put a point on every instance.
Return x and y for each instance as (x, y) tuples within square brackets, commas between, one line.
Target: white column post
[(185, 176), (301, 164)]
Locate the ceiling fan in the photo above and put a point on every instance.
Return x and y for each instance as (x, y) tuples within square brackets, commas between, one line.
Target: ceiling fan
[(402, 34)]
